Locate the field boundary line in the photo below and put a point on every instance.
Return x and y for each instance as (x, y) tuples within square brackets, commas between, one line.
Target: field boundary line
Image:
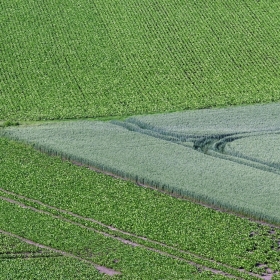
[(128, 242), (100, 268), (177, 196), (202, 202)]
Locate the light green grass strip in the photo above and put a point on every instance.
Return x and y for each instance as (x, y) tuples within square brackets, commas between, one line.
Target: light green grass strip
[(262, 148), (230, 120), (160, 163)]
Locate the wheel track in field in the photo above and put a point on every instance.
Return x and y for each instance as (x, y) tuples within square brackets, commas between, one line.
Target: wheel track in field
[(212, 144), (27, 254), (100, 268), (129, 238)]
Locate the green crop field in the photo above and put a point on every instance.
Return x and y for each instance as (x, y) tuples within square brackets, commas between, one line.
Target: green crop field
[(196, 193), (118, 225), (102, 58), (20, 260)]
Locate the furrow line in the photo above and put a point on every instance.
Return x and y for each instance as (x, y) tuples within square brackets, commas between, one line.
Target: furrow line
[(100, 268), (110, 227), (28, 255), (66, 220), (125, 241)]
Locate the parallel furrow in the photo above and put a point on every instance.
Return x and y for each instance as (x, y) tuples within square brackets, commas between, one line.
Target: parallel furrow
[(125, 237), (102, 269)]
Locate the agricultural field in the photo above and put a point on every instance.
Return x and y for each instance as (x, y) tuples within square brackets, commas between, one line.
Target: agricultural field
[(142, 233), (178, 154), (77, 59), (121, 155)]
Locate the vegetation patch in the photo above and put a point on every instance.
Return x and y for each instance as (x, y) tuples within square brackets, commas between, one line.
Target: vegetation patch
[(103, 58), (73, 208), (22, 260), (183, 153), (107, 60)]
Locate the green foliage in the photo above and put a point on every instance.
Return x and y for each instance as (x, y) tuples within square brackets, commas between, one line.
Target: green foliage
[(103, 58), (9, 123), (100, 59), (48, 268), (10, 246), (20, 260), (133, 262), (182, 225), (170, 160)]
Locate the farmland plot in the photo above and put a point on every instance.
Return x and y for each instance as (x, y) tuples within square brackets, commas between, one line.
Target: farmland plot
[(134, 230), (88, 59), (176, 153)]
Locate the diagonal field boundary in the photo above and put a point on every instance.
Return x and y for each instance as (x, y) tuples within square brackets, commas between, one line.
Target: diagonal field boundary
[(212, 145), (132, 239)]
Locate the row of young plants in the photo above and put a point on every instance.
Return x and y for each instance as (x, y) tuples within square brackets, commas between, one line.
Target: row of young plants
[(222, 237), (133, 262), (159, 163), (97, 59)]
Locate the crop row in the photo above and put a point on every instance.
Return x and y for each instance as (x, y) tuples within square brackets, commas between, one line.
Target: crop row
[(97, 59), (137, 210)]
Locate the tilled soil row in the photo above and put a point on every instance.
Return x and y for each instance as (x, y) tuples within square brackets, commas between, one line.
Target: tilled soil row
[(124, 240)]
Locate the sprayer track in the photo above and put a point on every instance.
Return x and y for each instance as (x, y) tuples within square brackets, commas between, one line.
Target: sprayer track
[(112, 232)]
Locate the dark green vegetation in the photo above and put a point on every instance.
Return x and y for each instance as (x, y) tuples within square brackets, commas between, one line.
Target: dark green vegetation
[(76, 59), (185, 153), (76, 210)]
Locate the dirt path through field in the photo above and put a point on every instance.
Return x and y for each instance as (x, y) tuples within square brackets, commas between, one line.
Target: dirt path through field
[(100, 268), (126, 237)]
